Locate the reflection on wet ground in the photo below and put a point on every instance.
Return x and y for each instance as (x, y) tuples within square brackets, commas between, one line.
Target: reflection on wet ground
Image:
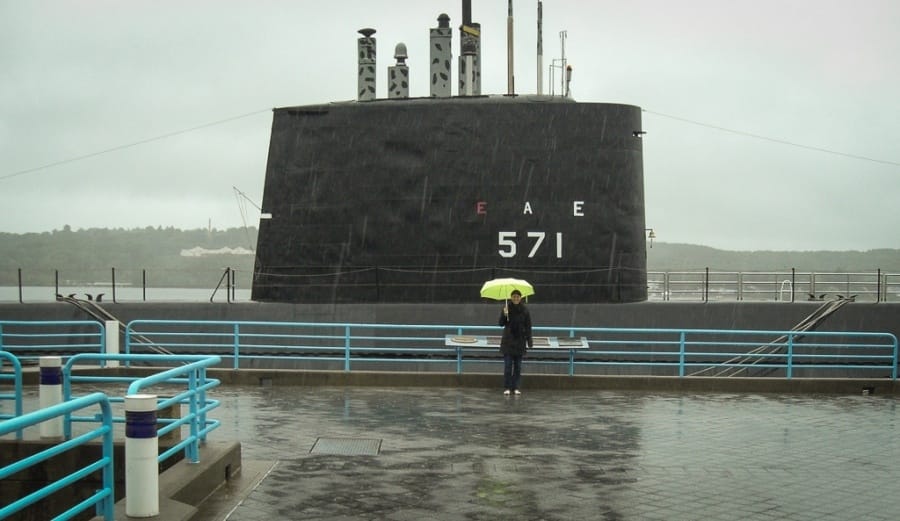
[(471, 454)]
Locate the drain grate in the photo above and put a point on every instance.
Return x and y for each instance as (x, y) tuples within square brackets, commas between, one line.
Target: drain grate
[(346, 446)]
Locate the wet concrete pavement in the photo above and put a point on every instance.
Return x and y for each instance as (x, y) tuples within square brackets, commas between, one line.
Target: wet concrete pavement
[(327, 453)]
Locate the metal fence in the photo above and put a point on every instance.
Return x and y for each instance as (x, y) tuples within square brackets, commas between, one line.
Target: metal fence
[(777, 286), (188, 379), (31, 339), (14, 397), (102, 500), (690, 285), (638, 351), (189, 375)]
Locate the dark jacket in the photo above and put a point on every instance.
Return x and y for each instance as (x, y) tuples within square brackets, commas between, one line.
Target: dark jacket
[(516, 330)]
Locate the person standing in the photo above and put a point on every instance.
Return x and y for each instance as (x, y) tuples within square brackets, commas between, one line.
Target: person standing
[(516, 322)]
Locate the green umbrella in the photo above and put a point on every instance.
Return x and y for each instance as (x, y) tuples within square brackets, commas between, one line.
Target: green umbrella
[(499, 289)]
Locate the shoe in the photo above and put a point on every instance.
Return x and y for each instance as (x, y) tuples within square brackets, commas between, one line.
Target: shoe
[(518, 392), (506, 392)]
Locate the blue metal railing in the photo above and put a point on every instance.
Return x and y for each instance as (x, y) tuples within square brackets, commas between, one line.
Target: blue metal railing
[(16, 396), (31, 339), (102, 499), (191, 375), (343, 343), (716, 352), (651, 352)]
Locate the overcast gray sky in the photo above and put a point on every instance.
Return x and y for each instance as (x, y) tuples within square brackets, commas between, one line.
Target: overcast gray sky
[(78, 78)]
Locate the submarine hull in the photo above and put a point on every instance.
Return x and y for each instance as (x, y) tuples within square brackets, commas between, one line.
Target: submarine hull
[(422, 200)]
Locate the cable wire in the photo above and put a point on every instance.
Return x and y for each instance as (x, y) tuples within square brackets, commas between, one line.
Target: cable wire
[(129, 145), (233, 118), (773, 140)]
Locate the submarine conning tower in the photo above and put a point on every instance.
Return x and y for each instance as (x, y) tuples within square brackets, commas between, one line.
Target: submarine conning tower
[(407, 200)]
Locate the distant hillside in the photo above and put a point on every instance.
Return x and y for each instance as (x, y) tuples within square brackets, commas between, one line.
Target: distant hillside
[(682, 257), (168, 257)]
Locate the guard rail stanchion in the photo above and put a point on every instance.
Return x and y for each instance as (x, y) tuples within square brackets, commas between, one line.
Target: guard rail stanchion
[(51, 394), (112, 341), (141, 454)]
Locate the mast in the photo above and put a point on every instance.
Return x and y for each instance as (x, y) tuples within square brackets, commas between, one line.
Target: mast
[(510, 75), (540, 47)]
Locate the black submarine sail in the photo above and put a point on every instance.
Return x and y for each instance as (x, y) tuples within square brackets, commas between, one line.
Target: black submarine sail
[(405, 200)]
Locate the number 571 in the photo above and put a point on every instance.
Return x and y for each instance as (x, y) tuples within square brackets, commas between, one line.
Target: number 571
[(509, 247)]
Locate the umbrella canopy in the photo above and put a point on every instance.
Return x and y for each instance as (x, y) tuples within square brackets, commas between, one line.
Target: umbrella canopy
[(499, 289)]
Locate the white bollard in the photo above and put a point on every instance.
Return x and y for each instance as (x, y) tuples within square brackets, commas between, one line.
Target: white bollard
[(112, 341), (141, 452), (50, 392)]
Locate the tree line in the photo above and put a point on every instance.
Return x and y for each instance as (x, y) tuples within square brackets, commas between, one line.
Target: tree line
[(158, 257), (690, 257)]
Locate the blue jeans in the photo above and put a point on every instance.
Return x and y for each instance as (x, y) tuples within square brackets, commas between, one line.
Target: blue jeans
[(512, 371)]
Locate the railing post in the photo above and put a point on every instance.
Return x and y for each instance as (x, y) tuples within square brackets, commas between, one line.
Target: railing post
[(878, 287), (459, 355), (127, 342), (790, 356), (894, 369), (20, 286), (141, 454), (229, 279), (681, 355), (572, 355), (201, 401), (114, 285), (192, 451), (706, 286), (107, 507), (237, 346), (347, 348), (144, 284), (793, 283), (111, 340), (51, 394)]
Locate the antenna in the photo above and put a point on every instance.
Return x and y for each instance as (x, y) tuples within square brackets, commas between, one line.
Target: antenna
[(540, 47), (559, 63), (510, 74), (563, 35)]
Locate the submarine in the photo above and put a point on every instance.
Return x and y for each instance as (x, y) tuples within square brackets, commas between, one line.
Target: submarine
[(420, 200)]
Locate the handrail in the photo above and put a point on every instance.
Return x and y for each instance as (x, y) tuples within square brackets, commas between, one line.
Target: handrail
[(102, 499), (723, 285), (16, 396), (196, 398), (35, 338), (197, 383), (640, 350)]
